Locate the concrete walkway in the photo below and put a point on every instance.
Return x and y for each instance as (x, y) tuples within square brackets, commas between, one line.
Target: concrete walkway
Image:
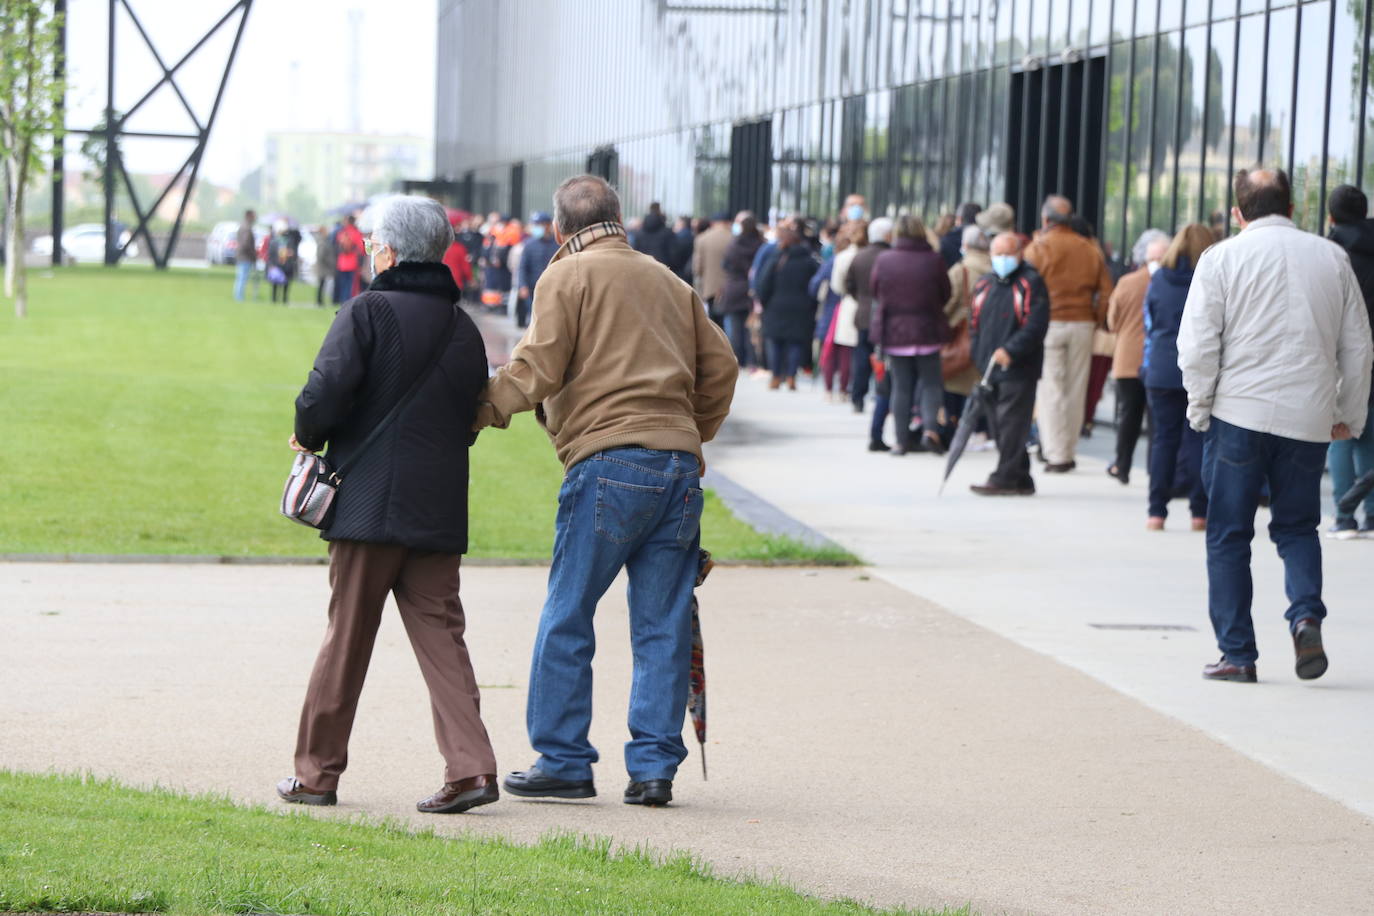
[(864, 742), (1072, 574)]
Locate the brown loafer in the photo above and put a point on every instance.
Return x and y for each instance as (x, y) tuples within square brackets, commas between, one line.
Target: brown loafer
[(457, 797), (1307, 646), (295, 792), (1222, 670)]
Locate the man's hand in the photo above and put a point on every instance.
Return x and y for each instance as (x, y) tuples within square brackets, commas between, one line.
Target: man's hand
[(1340, 432), (296, 446), (486, 416), (1002, 358), (524, 292)]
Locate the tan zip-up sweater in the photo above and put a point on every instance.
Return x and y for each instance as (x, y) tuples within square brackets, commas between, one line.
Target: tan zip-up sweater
[(620, 352)]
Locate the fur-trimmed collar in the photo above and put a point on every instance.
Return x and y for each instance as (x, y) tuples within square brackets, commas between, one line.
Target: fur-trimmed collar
[(417, 277)]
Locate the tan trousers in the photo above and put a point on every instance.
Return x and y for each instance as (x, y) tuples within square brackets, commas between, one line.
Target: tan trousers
[(426, 589), (1063, 388)]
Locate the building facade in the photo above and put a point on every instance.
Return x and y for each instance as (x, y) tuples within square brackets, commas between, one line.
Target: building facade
[(1138, 110), (334, 169)]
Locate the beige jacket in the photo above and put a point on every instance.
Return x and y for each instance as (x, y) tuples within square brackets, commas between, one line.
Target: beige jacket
[(620, 352), (708, 261), (1126, 319), (962, 277)]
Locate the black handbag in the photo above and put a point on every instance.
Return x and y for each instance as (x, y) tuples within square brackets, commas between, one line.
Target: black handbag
[(312, 490)]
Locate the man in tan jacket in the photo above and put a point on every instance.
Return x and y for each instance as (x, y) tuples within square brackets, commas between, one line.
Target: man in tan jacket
[(629, 377), (1076, 275), (708, 261)]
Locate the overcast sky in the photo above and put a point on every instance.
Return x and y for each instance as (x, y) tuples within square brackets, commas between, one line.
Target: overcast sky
[(292, 71)]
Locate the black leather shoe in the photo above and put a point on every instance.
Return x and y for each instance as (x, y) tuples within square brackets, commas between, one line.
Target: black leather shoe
[(1061, 468), (878, 445), (992, 489), (295, 792), (1307, 645), (1223, 670), (457, 797), (535, 783), (652, 792)]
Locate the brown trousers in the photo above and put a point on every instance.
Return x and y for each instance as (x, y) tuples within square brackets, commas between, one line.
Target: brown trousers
[(426, 588)]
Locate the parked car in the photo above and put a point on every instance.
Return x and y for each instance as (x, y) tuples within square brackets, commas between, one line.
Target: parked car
[(222, 244), (83, 244)]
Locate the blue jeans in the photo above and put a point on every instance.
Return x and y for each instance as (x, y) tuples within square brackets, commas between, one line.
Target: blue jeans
[(1236, 463), (861, 372), (1175, 449), (243, 270), (738, 333), (343, 284), (639, 510), (784, 357), (1350, 459)]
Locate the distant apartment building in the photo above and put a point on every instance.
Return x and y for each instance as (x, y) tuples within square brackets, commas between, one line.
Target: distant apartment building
[(339, 168)]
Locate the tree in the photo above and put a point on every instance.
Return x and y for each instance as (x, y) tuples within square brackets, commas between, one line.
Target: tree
[(30, 95)]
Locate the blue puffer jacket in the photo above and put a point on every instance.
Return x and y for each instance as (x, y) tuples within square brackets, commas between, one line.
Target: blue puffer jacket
[(1164, 301)]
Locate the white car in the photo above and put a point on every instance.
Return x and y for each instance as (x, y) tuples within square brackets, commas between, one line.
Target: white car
[(83, 244)]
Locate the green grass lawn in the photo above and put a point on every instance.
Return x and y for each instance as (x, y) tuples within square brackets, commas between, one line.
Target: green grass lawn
[(145, 413), (71, 845)]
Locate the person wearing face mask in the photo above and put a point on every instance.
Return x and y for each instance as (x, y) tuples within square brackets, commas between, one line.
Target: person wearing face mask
[(539, 250), (1008, 318), (400, 522), (1126, 319), (855, 208)]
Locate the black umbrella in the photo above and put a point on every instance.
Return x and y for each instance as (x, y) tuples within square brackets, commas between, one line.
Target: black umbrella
[(974, 409), (696, 696)]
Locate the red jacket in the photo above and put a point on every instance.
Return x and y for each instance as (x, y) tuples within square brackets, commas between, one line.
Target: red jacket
[(350, 245), (456, 259)]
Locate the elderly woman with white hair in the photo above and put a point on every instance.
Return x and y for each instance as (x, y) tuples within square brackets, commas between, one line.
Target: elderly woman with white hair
[(1126, 319), (393, 394)]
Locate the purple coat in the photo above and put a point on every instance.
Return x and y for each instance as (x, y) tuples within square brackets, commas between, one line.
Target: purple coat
[(910, 288)]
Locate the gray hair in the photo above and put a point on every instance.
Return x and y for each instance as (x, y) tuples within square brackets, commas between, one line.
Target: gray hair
[(880, 230), (583, 201), (974, 240), (1147, 238), (415, 228), (1058, 210)]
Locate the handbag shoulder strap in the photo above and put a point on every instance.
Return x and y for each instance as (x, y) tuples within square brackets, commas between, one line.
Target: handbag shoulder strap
[(440, 346)]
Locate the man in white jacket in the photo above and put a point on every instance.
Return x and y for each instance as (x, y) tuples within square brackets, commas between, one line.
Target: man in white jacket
[(1275, 351)]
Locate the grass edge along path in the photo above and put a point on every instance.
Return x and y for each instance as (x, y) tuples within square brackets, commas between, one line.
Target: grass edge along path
[(182, 399), (74, 843)]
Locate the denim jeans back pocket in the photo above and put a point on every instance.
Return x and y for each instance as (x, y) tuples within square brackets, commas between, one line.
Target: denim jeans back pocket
[(1235, 446), (690, 527), (624, 510)]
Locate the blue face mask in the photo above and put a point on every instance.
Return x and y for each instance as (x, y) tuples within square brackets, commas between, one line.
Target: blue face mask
[(856, 211), (1004, 264), (536, 231), (736, 229), (826, 251)]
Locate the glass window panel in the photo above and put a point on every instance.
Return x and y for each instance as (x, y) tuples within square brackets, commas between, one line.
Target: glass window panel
[(1020, 28), (1247, 114), (1196, 79), (1166, 114), (1114, 176), (1077, 28), (1278, 118), (1217, 136), (1345, 98), (1171, 13), (1138, 154), (1102, 20), (1308, 130)]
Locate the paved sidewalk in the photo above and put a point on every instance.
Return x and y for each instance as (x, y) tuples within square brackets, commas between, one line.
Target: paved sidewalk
[(864, 742), (1069, 573)]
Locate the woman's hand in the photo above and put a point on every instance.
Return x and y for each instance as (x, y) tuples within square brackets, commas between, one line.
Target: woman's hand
[(296, 446)]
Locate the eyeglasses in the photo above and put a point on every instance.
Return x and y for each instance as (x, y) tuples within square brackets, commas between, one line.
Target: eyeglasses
[(372, 247)]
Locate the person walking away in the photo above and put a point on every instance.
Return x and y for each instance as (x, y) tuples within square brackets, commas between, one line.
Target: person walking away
[(470, 237), (245, 253), (654, 238), (789, 307), (910, 287), (1172, 441), (959, 370), (1126, 319), (515, 243), (1008, 319), (400, 523), (539, 251), (708, 264), (952, 242), (325, 258), (632, 377), (348, 242), (735, 300), (854, 236), (825, 296), (1104, 342), (456, 256), (684, 240), (1079, 285), (496, 275), (858, 282), (1351, 458), (1275, 352)]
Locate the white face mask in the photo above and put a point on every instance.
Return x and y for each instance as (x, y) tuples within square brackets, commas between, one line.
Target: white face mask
[(771, 235), (1152, 266)]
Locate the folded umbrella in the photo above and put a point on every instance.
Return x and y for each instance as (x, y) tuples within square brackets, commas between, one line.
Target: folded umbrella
[(974, 409), (696, 691)]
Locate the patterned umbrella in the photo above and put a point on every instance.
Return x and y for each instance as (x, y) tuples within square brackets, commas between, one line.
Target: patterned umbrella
[(696, 695)]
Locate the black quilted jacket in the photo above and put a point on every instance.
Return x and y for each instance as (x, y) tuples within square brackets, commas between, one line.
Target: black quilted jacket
[(409, 487)]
